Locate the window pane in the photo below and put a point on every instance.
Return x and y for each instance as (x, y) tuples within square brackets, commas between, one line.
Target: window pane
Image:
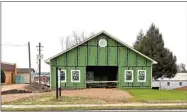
[(180, 83), (168, 83), (75, 75), (62, 75), (128, 75), (141, 75)]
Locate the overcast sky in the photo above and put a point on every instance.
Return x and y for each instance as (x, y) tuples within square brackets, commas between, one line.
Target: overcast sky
[(47, 22)]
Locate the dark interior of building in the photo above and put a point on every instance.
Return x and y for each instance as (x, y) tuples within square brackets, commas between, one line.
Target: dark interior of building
[(102, 73)]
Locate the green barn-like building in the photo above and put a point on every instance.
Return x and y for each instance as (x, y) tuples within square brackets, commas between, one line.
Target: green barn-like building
[(101, 60)]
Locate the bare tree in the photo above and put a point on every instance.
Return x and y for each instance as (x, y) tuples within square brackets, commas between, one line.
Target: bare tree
[(76, 39), (181, 68)]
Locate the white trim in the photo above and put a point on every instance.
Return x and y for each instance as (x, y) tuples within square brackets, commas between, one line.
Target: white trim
[(138, 76), (65, 76), (79, 76), (125, 76), (48, 60)]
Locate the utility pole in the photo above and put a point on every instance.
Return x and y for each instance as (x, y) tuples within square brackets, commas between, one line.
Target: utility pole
[(39, 57), (29, 60)]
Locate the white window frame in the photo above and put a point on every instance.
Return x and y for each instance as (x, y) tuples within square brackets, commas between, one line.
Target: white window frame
[(65, 76), (138, 76), (125, 76), (72, 76)]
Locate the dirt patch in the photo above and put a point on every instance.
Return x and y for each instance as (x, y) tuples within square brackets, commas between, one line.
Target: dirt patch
[(37, 88), (13, 97), (182, 88), (114, 95), (13, 86), (108, 95)]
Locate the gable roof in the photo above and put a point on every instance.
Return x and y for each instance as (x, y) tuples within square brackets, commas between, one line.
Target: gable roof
[(25, 70), (93, 36), (8, 66)]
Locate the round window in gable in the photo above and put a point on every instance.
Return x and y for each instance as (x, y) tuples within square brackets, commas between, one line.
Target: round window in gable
[(102, 43)]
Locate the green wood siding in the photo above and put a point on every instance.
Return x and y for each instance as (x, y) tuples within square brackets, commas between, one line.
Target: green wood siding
[(82, 54), (102, 56), (122, 56), (90, 54), (112, 56)]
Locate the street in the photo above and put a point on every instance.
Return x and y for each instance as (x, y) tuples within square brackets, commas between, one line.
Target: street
[(172, 110)]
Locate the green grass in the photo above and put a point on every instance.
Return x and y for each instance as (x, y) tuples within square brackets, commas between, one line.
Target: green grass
[(96, 108), (150, 95)]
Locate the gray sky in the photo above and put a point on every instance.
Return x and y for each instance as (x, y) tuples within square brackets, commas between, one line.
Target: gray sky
[(48, 22)]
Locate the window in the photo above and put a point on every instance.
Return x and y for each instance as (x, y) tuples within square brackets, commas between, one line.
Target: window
[(141, 75), (168, 83), (62, 75), (128, 76), (180, 83), (75, 75)]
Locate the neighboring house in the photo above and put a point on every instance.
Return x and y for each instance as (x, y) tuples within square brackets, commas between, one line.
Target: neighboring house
[(180, 80), (25, 72), (101, 58), (10, 72), (44, 77)]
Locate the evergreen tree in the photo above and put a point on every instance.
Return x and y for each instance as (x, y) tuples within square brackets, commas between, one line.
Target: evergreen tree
[(2, 76), (152, 45), (139, 38)]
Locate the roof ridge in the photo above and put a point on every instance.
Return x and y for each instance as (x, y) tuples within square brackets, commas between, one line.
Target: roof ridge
[(103, 31)]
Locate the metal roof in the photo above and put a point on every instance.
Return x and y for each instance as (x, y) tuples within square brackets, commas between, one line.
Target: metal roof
[(178, 76), (24, 70), (8, 66), (48, 60)]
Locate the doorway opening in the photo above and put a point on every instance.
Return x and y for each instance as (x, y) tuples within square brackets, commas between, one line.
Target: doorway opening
[(101, 76)]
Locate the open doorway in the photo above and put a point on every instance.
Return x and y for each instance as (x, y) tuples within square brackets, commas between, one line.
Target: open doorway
[(101, 76)]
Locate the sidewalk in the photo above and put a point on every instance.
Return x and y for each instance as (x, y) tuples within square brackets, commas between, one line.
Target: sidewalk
[(96, 105)]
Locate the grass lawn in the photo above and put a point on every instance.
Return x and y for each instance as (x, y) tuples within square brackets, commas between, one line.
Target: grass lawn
[(150, 95), (51, 99), (140, 95)]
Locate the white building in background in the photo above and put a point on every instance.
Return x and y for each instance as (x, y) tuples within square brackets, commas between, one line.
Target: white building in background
[(180, 80)]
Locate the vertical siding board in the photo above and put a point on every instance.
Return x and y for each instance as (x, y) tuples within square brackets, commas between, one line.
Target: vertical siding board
[(72, 57), (107, 52), (122, 56), (82, 56), (102, 53), (53, 77), (111, 42), (92, 42), (131, 58), (92, 55), (97, 50), (112, 56)]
